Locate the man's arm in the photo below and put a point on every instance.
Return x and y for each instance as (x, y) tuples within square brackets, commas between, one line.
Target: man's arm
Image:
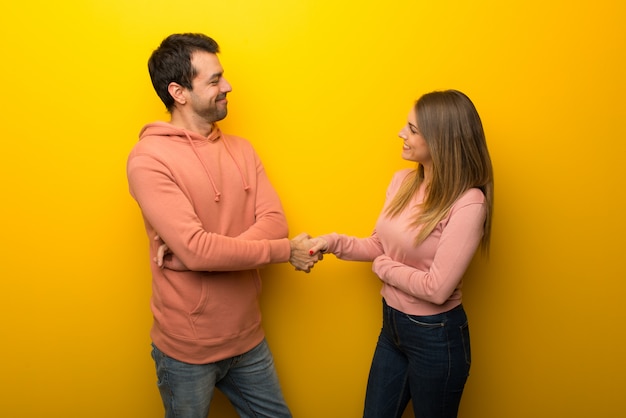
[(270, 221), (301, 258), (169, 213)]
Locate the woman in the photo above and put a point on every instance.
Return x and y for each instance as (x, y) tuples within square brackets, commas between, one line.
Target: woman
[(435, 218)]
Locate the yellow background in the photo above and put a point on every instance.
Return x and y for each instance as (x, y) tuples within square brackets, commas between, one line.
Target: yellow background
[(321, 88)]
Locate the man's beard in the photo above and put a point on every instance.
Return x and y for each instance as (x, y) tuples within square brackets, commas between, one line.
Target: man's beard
[(214, 114), (219, 113)]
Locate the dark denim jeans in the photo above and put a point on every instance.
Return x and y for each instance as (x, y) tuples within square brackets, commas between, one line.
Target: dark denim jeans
[(425, 359), (249, 381)]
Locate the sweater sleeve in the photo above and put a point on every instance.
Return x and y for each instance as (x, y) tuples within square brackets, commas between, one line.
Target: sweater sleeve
[(350, 248), (167, 210), (459, 241)]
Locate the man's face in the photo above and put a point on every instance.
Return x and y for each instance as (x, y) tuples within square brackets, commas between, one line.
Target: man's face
[(208, 95)]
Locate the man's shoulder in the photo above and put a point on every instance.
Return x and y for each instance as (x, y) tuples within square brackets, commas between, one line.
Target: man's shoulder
[(235, 138), (238, 142)]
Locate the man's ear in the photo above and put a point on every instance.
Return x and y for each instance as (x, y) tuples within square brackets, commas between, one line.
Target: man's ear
[(177, 92)]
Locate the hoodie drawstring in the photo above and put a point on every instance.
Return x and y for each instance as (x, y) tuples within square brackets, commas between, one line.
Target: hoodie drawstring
[(246, 187), (218, 194), (206, 170)]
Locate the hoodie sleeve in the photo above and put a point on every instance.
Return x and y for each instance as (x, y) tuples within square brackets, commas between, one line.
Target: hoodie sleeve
[(166, 209), (270, 222)]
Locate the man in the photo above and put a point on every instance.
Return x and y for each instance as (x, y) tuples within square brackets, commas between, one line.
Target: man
[(213, 219)]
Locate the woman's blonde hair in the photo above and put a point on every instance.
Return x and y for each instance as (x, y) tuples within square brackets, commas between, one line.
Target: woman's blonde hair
[(453, 131)]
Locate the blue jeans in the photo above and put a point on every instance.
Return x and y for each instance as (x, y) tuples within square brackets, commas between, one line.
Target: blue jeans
[(425, 359), (249, 381)]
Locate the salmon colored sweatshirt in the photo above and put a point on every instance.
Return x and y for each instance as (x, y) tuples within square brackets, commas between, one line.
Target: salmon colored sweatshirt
[(424, 279), (210, 201)]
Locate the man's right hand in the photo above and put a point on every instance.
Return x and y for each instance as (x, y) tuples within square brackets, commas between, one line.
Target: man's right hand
[(302, 258)]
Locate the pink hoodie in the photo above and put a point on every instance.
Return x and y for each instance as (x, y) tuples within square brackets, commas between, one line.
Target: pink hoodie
[(210, 200)]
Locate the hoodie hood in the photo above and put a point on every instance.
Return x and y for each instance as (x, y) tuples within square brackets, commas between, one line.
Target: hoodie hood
[(167, 129), (171, 132)]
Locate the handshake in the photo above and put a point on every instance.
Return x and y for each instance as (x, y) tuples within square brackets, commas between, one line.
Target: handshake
[(306, 251)]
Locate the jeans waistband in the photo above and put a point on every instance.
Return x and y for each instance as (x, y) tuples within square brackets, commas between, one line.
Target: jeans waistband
[(457, 309)]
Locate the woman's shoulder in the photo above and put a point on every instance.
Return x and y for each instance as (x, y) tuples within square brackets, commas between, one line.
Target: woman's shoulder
[(398, 178), (472, 200), (471, 196), (400, 175)]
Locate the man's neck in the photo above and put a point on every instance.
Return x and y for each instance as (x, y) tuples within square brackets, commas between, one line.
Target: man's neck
[(191, 124)]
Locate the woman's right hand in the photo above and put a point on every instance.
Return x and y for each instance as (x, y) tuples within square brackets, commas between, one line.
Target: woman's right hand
[(320, 245)]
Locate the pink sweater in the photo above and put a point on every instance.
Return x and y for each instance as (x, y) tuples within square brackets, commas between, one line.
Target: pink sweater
[(210, 200), (422, 280)]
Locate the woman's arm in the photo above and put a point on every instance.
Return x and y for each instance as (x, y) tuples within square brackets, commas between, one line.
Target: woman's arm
[(457, 246)]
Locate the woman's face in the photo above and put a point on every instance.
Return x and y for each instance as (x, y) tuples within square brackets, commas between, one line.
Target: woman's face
[(414, 146)]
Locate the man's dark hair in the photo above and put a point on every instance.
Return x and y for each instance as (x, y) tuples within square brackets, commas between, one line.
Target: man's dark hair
[(171, 62)]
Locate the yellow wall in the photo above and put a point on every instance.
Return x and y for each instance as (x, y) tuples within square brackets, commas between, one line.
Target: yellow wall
[(321, 88)]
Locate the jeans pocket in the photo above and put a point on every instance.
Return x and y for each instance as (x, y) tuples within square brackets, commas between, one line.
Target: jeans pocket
[(422, 321), (465, 336)]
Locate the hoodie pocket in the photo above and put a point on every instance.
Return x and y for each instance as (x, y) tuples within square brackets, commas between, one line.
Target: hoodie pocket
[(228, 305), (201, 306)]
